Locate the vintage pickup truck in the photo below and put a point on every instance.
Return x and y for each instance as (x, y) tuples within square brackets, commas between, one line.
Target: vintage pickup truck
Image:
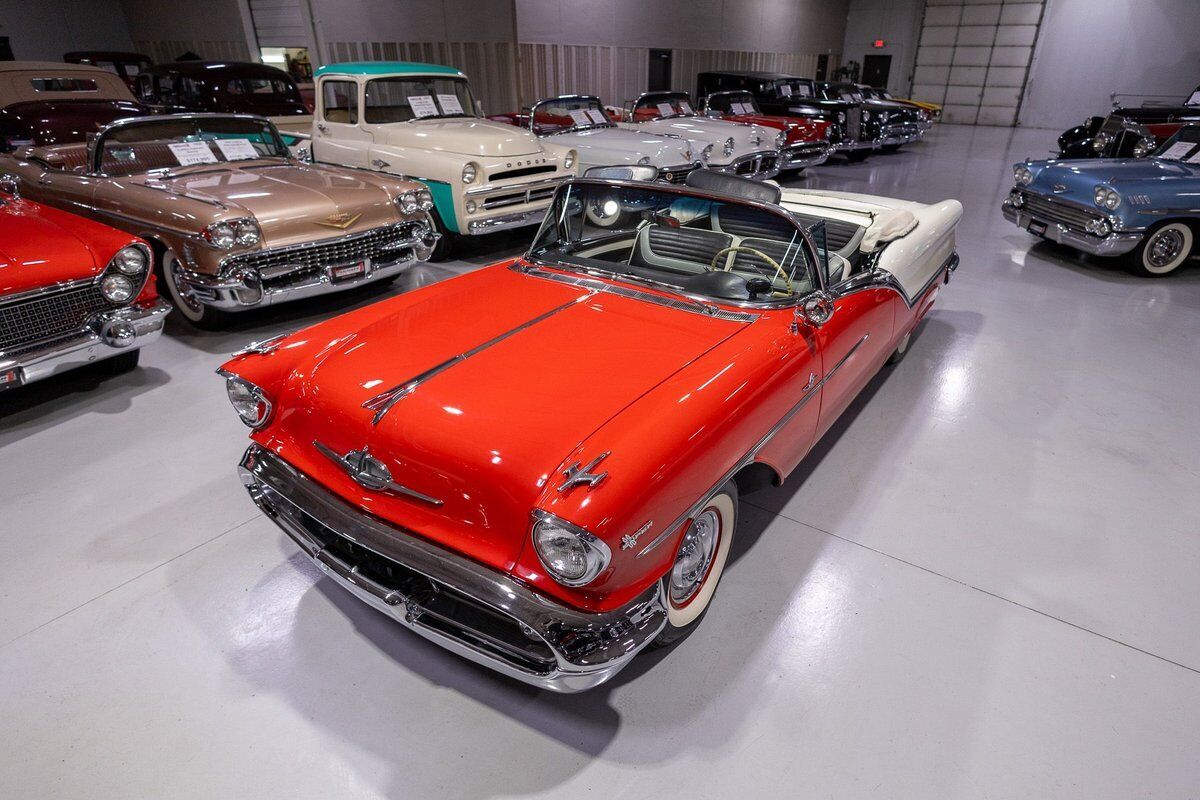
[(422, 122)]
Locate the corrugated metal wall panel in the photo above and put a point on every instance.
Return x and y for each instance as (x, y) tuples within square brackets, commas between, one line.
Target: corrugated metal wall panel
[(161, 51), (281, 23)]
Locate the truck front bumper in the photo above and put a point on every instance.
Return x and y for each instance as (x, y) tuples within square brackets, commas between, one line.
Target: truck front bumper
[(109, 334), (472, 610)]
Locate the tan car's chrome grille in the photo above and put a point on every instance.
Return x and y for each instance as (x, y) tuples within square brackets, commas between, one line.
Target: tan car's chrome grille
[(284, 265), (26, 323), (1057, 212)]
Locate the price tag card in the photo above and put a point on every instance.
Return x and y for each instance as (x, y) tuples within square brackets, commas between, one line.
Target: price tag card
[(741, 108), (236, 149), (450, 104), (189, 153), (685, 107), (1177, 151), (580, 116), (665, 109), (597, 116), (422, 105), (785, 90), (1195, 158)]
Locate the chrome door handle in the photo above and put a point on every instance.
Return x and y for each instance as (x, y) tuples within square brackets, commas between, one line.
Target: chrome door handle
[(322, 128), (812, 381), (379, 163)]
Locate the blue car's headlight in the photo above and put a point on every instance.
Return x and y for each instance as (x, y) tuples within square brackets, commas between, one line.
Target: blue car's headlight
[(1105, 197), (1022, 174)]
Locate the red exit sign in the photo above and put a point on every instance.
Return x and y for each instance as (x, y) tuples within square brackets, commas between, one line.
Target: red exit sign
[(878, 43)]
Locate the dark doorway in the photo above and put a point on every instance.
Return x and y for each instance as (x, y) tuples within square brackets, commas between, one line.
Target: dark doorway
[(822, 67), (5, 49), (660, 71), (875, 71)]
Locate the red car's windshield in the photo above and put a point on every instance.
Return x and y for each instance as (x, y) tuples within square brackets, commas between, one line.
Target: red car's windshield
[(562, 114), (662, 105), (722, 249), (733, 103)]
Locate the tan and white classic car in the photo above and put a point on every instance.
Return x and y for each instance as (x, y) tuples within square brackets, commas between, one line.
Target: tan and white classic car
[(421, 121), (234, 220)]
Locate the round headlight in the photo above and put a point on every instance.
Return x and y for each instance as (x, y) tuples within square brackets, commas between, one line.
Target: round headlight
[(220, 235), (407, 202), (1112, 200), (866, 115), (249, 401), (571, 555), (841, 116), (116, 288), (424, 199), (470, 172), (781, 139), (569, 160), (246, 232), (729, 146), (644, 160), (130, 260), (470, 206), (1099, 142), (1022, 174), (1142, 147)]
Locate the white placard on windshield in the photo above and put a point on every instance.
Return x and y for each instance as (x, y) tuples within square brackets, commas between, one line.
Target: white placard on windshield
[(785, 90), (237, 149), (685, 107), (580, 116), (450, 104), (665, 109), (1177, 151), (597, 116), (741, 108), (1195, 159), (189, 153), (422, 105)]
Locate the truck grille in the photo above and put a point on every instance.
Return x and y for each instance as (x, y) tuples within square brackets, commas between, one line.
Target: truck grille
[(519, 197), (286, 264), (39, 319), (1057, 212)]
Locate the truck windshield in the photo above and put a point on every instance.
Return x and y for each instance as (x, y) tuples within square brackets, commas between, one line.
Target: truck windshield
[(699, 245), (417, 97)]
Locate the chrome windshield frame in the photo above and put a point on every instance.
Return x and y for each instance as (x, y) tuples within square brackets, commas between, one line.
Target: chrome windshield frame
[(96, 145)]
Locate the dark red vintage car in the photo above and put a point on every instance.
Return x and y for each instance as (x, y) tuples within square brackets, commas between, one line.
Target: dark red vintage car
[(45, 103), (230, 87), (805, 142), (72, 292), (537, 465), (127, 66)]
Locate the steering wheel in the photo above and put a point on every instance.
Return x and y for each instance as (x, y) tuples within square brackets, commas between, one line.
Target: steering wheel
[(778, 269)]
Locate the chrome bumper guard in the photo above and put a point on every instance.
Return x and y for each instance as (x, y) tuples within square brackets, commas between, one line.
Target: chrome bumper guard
[(108, 334), (1114, 244), (858, 144), (901, 134), (465, 607), (802, 156), (245, 287)]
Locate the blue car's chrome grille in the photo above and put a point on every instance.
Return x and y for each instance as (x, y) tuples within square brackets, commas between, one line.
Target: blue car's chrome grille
[(1057, 212)]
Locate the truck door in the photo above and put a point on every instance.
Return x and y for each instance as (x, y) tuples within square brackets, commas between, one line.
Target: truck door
[(338, 136)]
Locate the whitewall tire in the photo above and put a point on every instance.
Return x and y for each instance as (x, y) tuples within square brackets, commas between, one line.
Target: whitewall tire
[(699, 563), (1164, 250), (182, 298)]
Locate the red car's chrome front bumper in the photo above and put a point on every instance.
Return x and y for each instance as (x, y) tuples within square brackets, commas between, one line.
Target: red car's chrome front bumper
[(469, 609)]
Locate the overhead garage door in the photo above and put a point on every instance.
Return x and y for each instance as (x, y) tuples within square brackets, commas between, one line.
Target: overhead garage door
[(973, 58), (282, 23)]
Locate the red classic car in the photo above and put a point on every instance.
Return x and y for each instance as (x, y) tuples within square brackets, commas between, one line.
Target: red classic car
[(537, 465), (804, 142), (72, 292)]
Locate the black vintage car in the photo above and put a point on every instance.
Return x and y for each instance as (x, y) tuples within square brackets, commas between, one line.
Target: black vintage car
[(790, 96), (44, 103), (889, 123), (221, 87), (1128, 131)]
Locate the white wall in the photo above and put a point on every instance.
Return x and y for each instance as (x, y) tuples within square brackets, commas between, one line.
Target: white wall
[(44, 30), (898, 23), (1089, 49)]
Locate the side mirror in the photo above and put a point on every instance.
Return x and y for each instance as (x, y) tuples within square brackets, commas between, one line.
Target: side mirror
[(11, 185), (816, 309)]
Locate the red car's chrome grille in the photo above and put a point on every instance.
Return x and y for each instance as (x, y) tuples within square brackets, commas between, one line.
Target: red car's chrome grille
[(39, 319)]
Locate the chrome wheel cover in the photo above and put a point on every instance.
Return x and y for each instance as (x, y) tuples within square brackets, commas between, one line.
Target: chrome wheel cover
[(695, 557), (181, 288), (1164, 248)]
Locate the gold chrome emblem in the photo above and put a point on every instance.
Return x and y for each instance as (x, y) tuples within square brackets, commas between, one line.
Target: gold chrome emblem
[(340, 221)]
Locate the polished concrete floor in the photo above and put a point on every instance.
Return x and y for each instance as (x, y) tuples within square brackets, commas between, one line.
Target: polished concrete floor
[(985, 582)]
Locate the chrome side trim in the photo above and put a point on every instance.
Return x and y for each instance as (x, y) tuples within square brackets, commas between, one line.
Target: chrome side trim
[(749, 457), (877, 278), (382, 403)]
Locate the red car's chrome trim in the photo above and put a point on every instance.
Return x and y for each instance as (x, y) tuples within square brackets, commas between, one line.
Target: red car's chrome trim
[(382, 403)]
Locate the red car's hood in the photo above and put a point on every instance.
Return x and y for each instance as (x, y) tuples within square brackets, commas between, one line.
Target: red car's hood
[(797, 131), (547, 365), (38, 247)]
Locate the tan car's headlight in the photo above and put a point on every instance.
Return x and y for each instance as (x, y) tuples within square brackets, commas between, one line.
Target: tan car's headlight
[(224, 235), (407, 203), (571, 555)]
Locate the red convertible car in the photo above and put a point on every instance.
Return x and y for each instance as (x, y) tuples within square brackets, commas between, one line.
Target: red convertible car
[(804, 142), (537, 465), (72, 292)]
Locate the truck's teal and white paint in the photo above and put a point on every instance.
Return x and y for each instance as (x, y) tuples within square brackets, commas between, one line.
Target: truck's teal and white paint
[(421, 121)]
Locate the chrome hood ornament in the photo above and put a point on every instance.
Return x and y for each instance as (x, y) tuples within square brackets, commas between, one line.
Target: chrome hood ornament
[(578, 475), (371, 473)]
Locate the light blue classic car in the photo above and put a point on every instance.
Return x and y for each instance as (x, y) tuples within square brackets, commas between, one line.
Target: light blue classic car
[(1147, 209)]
